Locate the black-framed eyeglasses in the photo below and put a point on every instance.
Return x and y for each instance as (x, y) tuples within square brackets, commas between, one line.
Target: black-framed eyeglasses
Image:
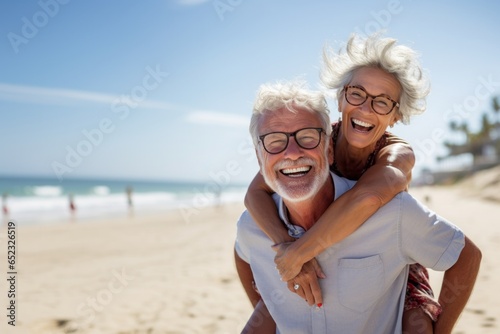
[(277, 142), (381, 104)]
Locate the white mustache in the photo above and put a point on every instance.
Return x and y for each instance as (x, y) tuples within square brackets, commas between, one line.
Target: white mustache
[(288, 163)]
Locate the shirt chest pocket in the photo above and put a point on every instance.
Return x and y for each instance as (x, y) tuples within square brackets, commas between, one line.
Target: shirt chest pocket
[(360, 282)]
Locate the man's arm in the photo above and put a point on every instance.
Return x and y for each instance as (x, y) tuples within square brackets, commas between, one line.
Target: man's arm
[(246, 278), (260, 321), (457, 287)]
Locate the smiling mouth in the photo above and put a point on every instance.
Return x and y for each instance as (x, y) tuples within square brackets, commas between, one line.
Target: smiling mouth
[(361, 126), (295, 172)]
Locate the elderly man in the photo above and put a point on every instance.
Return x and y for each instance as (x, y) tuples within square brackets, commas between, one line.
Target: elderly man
[(366, 273)]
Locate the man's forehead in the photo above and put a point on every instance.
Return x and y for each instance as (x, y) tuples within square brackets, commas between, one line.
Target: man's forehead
[(284, 119)]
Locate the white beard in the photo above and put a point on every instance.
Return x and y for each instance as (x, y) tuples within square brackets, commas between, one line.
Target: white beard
[(302, 191)]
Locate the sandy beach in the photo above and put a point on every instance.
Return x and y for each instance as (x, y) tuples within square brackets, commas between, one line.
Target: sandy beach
[(173, 272)]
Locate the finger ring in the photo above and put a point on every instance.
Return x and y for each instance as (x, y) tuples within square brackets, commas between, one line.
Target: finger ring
[(296, 287)]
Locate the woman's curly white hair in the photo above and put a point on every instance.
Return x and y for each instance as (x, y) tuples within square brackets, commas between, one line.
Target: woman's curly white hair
[(375, 51)]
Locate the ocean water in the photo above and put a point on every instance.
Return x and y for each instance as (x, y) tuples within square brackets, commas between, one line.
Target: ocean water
[(38, 200)]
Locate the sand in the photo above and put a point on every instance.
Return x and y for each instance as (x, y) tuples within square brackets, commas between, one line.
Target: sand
[(173, 272)]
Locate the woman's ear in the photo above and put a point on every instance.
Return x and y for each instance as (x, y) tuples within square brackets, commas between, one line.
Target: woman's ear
[(394, 120)]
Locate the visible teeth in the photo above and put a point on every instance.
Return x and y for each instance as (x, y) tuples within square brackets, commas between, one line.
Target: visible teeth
[(361, 123), (296, 170)]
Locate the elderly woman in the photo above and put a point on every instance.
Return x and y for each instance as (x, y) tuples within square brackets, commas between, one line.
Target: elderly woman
[(378, 83)]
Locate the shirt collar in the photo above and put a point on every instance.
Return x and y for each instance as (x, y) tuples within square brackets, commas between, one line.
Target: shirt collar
[(296, 231)]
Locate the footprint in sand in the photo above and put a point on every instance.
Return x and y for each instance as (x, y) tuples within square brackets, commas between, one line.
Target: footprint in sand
[(226, 280), (489, 322), (55, 326)]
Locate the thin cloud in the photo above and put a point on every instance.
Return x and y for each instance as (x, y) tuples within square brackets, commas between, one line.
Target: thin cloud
[(67, 97), (216, 118)]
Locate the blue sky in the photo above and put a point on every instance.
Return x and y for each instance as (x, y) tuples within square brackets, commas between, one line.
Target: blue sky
[(164, 89)]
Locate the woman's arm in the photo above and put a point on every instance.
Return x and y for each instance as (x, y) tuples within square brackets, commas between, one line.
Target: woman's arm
[(263, 210), (390, 175)]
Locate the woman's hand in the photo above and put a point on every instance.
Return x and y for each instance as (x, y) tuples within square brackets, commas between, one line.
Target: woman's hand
[(287, 266), (302, 279), (306, 284)]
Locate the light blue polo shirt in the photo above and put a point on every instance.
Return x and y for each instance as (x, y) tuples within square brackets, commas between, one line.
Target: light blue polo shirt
[(367, 272)]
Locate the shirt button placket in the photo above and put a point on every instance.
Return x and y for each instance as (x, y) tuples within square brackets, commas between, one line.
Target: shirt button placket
[(318, 320)]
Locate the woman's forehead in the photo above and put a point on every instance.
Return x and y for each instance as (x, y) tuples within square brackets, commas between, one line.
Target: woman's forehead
[(376, 81)]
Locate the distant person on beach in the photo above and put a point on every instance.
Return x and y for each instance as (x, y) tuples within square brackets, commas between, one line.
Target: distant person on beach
[(378, 83), (130, 203), (364, 277), (72, 206), (5, 208)]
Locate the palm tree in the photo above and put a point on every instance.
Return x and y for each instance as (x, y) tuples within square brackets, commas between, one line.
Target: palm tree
[(476, 143)]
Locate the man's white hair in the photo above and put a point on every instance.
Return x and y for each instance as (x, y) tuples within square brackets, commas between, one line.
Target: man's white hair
[(292, 95)]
